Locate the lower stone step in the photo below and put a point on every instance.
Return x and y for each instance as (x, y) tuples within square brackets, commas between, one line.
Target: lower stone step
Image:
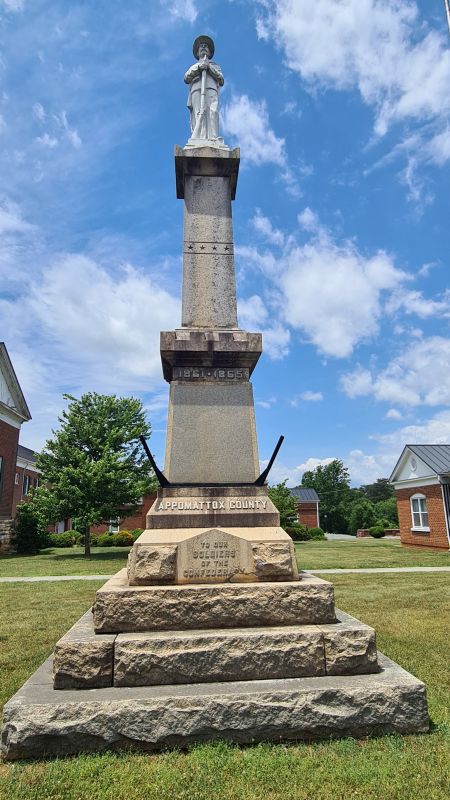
[(121, 608), (240, 654), (41, 722), (84, 659)]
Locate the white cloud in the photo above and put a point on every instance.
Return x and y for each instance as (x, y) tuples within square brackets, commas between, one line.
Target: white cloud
[(266, 403), (308, 220), (314, 281), (276, 340), (183, 9), (310, 288), (252, 312), (247, 121), (413, 302), (400, 67), (367, 468), (264, 226), (293, 475), (435, 430), (13, 5), (111, 323), (47, 141), (418, 376), (393, 413), (39, 111), (72, 134), (311, 397)]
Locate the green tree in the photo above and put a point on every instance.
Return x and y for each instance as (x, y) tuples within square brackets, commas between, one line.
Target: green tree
[(387, 509), (286, 504), (362, 515), (332, 484), (380, 490), (94, 465)]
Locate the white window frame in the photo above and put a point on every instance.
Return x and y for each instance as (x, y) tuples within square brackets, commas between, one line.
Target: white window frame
[(420, 512)]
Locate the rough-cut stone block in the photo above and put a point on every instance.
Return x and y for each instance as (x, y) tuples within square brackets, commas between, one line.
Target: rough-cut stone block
[(122, 608), (350, 647), (82, 659), (272, 559), (145, 659), (39, 722), (155, 564)]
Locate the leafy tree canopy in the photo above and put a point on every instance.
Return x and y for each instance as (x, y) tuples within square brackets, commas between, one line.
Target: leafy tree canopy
[(94, 465), (332, 484), (380, 490)]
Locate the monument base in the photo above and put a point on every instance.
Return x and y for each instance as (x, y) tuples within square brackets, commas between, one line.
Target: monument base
[(40, 721)]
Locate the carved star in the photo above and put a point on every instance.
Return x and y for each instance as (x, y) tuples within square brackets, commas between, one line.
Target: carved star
[(190, 247), (202, 247), (214, 247), (226, 247)]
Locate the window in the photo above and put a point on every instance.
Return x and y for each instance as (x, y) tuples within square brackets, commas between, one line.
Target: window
[(26, 485), (17, 479), (35, 482), (419, 513), (114, 525)]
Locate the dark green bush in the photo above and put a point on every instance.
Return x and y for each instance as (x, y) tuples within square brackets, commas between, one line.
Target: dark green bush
[(123, 539), (26, 535), (105, 540), (66, 539), (136, 532), (317, 534), (377, 531)]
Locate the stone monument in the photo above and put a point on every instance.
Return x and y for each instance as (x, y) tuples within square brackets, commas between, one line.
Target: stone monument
[(210, 632)]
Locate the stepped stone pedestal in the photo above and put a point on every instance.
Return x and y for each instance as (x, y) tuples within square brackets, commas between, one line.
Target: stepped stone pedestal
[(210, 632)]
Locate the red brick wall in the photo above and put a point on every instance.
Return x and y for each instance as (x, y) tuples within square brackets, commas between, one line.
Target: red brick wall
[(9, 439), (137, 520), (307, 514), (437, 537)]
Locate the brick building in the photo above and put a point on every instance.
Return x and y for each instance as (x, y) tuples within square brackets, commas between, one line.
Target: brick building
[(13, 412), (307, 506), (421, 479)]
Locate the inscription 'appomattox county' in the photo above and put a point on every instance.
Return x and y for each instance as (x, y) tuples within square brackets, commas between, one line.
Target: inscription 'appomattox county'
[(232, 504), (209, 374)]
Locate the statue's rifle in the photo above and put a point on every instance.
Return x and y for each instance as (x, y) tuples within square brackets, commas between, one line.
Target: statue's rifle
[(203, 93)]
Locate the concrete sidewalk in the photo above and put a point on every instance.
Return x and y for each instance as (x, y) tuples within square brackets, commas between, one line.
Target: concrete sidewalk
[(363, 570)]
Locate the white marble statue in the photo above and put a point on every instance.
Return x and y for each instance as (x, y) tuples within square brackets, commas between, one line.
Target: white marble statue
[(204, 79)]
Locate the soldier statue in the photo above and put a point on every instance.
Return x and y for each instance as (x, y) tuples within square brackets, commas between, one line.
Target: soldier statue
[(204, 79)]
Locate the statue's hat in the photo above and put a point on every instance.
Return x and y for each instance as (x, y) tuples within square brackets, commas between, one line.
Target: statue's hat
[(199, 41)]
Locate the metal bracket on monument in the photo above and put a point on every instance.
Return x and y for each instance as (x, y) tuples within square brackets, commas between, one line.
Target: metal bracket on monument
[(260, 481), (162, 480), (164, 483)]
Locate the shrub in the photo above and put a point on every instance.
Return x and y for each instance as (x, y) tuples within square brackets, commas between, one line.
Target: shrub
[(105, 540), (123, 539), (317, 534), (136, 533), (298, 532), (377, 531), (26, 535), (66, 539)]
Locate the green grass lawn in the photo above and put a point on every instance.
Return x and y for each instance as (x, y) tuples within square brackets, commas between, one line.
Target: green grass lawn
[(310, 555), (64, 561), (410, 614), (367, 553)]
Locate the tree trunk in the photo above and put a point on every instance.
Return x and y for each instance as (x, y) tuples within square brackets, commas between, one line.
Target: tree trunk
[(87, 541)]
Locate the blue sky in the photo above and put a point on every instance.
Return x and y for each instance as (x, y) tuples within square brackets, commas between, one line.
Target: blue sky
[(342, 112)]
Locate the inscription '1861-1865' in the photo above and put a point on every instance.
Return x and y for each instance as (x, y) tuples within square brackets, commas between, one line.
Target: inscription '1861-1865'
[(210, 374), (213, 559)]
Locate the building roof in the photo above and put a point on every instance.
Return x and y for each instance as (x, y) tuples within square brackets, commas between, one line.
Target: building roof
[(435, 456), (304, 494), (14, 400), (25, 452)]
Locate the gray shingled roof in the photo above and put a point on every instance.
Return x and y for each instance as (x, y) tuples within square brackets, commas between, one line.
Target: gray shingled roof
[(436, 456), (305, 495), (25, 452)]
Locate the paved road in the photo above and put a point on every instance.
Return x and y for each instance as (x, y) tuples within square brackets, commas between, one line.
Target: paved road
[(368, 570)]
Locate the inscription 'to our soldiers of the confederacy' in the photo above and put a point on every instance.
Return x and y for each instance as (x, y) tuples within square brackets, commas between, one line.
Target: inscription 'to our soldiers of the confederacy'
[(213, 559)]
